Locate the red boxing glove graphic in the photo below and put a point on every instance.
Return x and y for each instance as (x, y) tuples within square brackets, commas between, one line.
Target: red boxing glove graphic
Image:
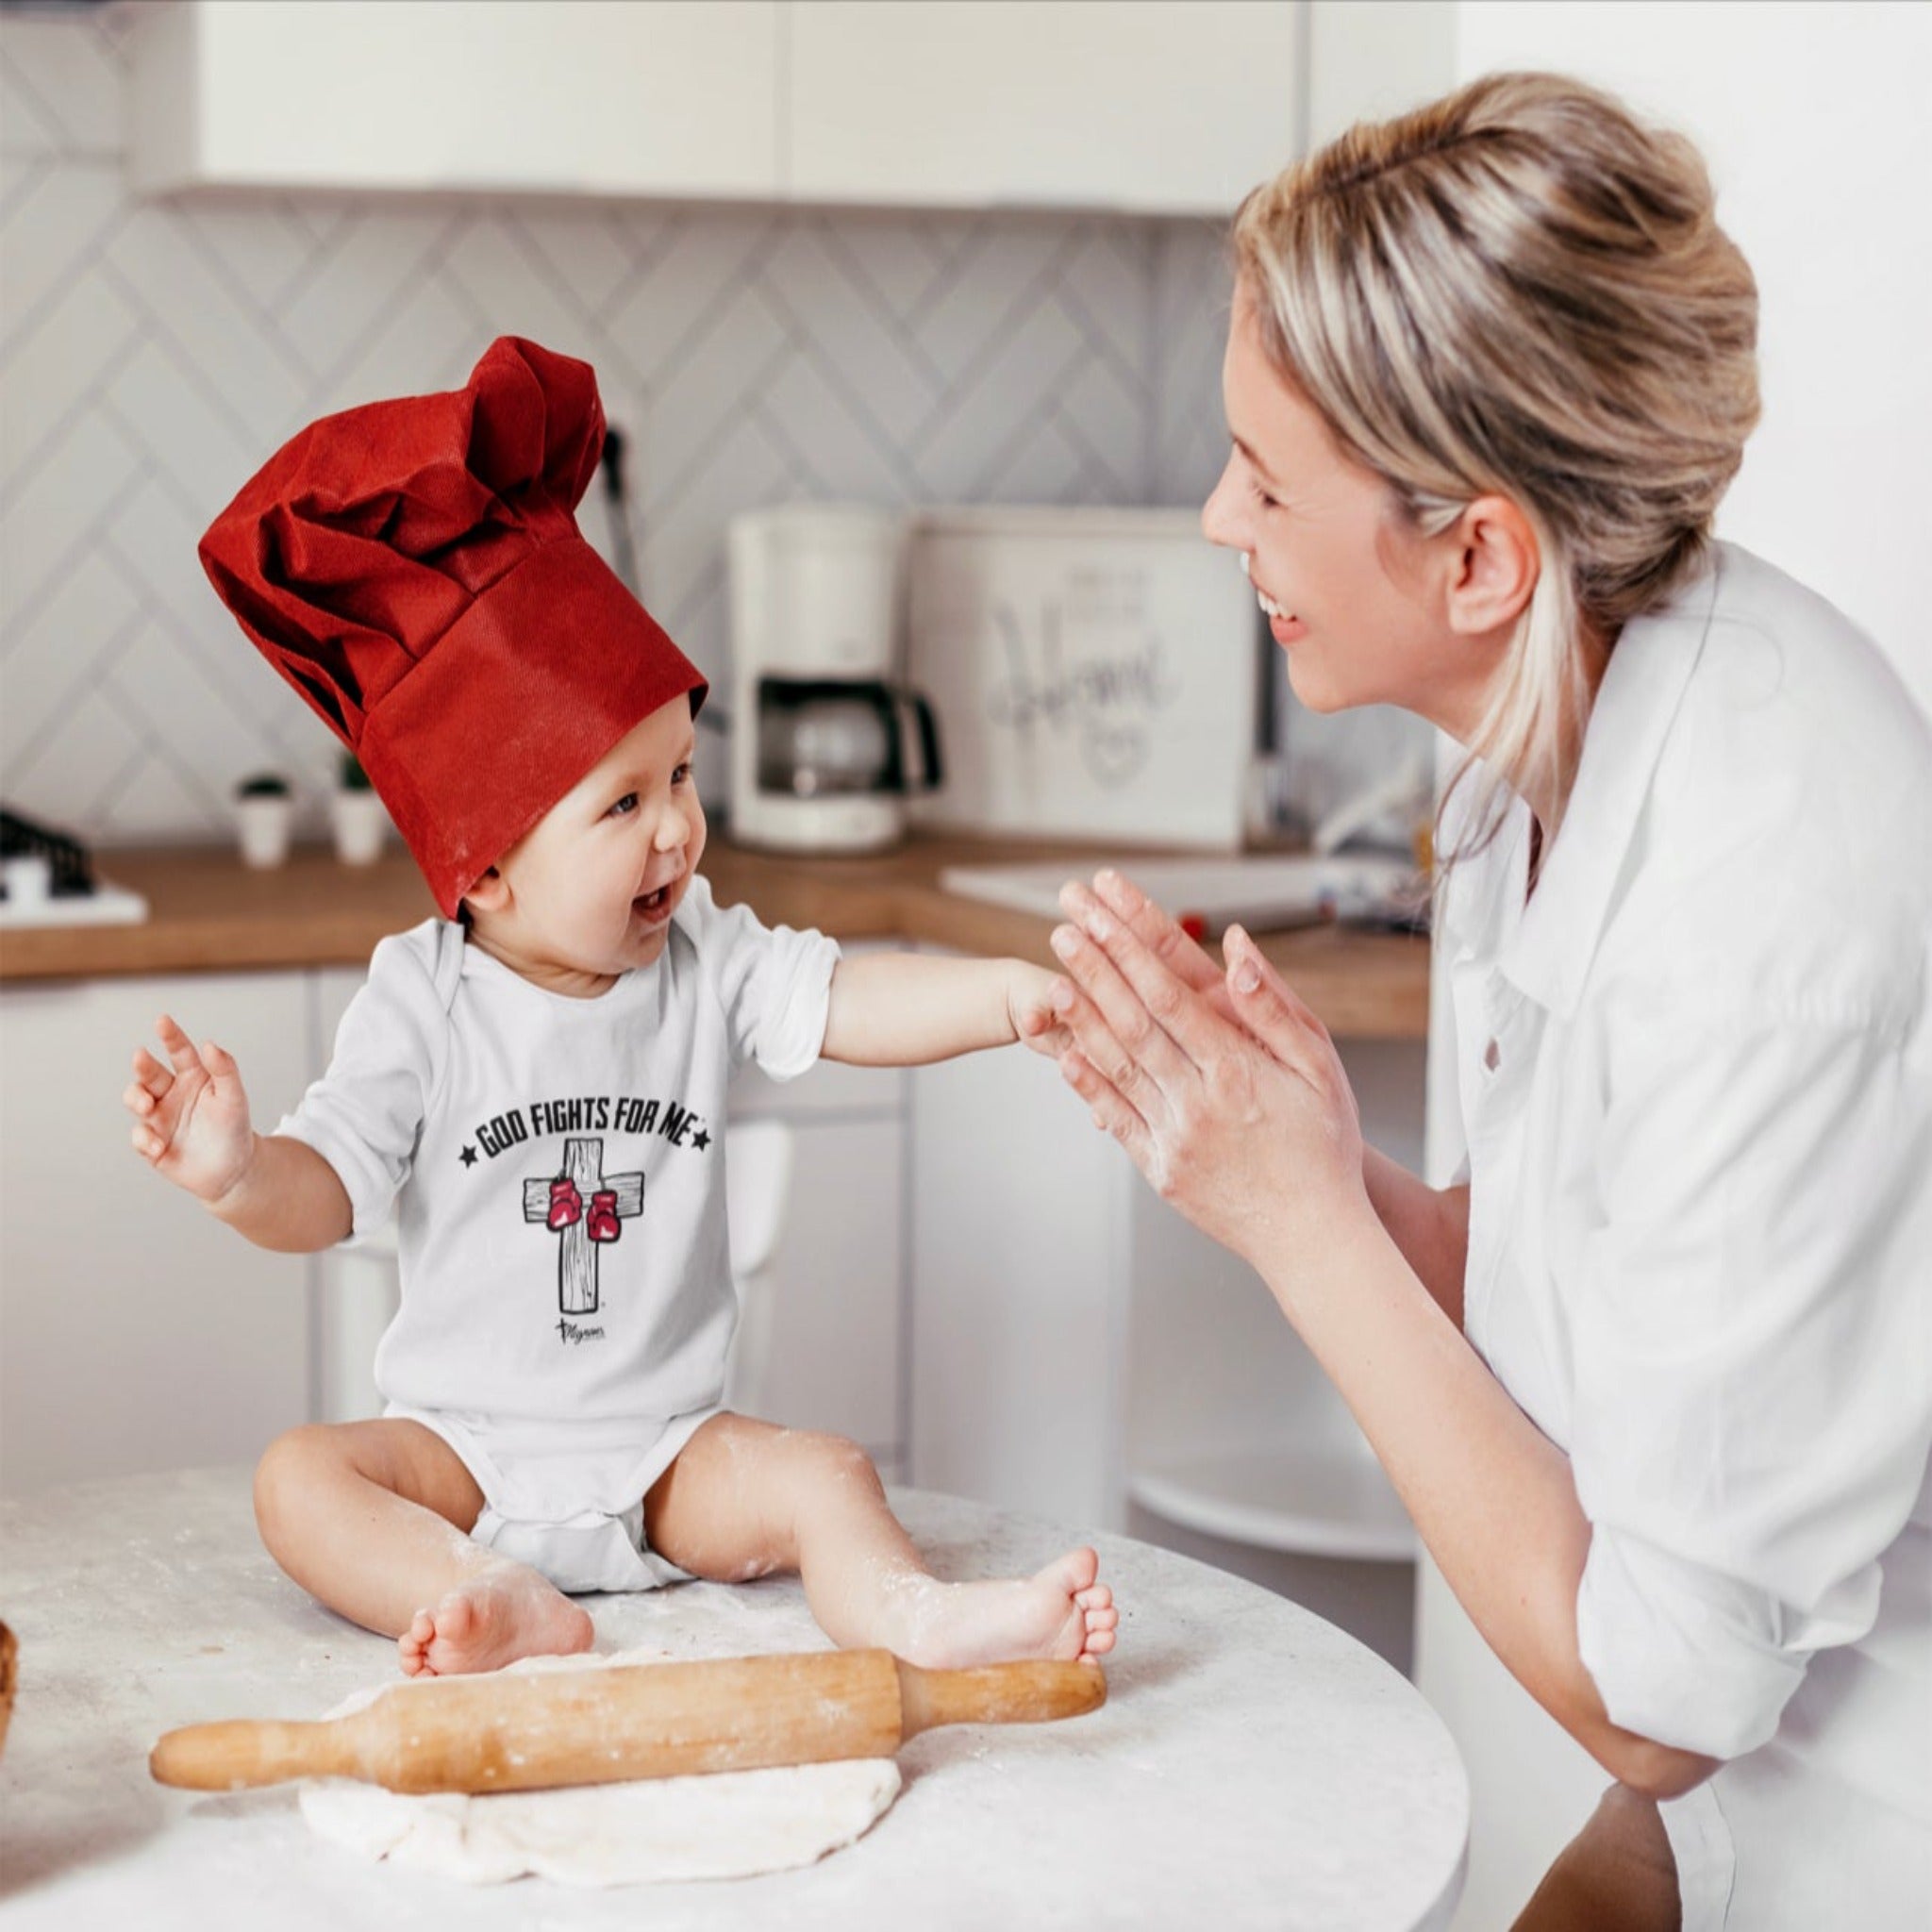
[(603, 1225), (567, 1206)]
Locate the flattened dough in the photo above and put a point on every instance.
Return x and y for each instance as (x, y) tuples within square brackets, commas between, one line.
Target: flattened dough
[(731, 1824)]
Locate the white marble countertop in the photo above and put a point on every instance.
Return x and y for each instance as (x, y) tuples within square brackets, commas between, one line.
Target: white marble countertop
[(1253, 1766)]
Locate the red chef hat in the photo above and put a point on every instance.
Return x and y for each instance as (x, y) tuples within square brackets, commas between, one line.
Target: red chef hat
[(414, 569)]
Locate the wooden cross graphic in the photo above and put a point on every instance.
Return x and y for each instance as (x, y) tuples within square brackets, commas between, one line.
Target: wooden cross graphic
[(576, 1253)]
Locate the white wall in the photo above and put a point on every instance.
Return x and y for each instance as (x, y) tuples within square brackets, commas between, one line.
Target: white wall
[(1816, 120), (1813, 118)]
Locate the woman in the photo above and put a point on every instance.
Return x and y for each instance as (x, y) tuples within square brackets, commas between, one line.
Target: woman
[(1654, 1383)]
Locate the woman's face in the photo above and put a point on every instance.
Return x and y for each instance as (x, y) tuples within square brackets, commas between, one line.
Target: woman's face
[(1352, 594)]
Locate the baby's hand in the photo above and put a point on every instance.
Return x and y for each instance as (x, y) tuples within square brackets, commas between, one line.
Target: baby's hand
[(1029, 1006), (191, 1125)]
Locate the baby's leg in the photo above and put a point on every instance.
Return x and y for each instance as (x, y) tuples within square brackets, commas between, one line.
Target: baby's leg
[(746, 1499), (372, 1518)]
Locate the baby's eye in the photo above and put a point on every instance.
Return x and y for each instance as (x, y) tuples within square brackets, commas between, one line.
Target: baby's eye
[(627, 803), (682, 775)]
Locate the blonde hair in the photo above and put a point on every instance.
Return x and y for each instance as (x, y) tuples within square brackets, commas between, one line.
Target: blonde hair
[(1520, 291)]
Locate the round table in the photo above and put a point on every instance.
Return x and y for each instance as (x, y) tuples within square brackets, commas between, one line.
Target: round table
[(1252, 1765)]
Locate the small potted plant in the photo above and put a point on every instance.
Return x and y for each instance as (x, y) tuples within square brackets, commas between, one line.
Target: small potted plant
[(356, 815), (263, 810)]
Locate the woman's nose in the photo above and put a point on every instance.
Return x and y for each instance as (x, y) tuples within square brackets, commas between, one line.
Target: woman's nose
[(1220, 514)]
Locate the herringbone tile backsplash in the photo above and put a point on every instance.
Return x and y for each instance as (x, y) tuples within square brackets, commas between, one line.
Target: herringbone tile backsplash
[(152, 356)]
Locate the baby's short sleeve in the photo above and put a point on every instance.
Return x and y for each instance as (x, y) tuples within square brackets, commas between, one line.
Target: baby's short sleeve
[(365, 1114), (774, 983)]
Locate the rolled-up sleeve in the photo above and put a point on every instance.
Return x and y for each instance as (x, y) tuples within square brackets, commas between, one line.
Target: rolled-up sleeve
[(1752, 1402)]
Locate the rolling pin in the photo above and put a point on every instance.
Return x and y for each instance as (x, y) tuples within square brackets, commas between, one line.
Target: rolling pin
[(521, 1732)]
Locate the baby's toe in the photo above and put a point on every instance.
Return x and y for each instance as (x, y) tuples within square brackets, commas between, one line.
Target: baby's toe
[(455, 1616), (1072, 1573)]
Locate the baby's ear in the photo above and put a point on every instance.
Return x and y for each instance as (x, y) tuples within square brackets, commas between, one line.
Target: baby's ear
[(488, 894)]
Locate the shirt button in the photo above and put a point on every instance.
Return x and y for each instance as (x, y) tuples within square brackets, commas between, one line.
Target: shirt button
[(1493, 1057)]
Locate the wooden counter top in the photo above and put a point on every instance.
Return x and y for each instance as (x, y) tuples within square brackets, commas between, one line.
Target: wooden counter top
[(209, 913)]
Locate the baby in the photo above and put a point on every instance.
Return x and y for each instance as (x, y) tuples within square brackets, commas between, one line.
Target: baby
[(537, 1080)]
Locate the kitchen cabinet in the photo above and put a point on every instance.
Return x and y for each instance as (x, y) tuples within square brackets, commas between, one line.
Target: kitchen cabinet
[(1108, 104), (834, 1355), (652, 97), (1082, 1352), (1020, 1242), (1153, 109), (136, 1332), (356, 1288)]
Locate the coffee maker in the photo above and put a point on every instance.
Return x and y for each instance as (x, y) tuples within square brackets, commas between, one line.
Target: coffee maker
[(825, 745)]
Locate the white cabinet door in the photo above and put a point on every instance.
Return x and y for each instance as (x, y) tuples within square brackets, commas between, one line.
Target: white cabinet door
[(357, 1289), (1108, 104), (652, 97), (136, 1332), (1021, 1230), (833, 1360)]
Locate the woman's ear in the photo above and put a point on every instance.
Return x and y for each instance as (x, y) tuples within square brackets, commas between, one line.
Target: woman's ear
[(1494, 562)]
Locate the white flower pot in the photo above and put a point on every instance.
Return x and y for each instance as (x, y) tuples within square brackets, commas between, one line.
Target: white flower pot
[(263, 824), (360, 825)]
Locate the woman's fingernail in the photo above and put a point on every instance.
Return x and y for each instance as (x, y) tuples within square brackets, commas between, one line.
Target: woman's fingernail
[(1066, 941), (1245, 978), (1099, 924)]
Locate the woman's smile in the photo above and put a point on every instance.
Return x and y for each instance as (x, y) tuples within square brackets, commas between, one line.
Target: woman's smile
[(1283, 625)]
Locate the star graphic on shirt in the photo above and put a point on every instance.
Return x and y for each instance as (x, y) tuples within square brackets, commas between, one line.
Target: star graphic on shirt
[(469, 1156), (701, 1140)]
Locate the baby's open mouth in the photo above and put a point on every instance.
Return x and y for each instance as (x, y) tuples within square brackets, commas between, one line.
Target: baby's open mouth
[(652, 904)]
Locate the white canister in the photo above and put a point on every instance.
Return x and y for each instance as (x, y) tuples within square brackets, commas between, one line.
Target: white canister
[(360, 825), (262, 821)]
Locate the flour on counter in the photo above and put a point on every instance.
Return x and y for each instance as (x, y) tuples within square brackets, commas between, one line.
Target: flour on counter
[(724, 1824)]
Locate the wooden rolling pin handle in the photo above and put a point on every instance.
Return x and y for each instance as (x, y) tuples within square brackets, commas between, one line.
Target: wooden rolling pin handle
[(506, 1733), (1016, 1693), (250, 1751)]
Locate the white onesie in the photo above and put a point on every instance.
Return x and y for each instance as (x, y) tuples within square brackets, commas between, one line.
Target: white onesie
[(557, 1168)]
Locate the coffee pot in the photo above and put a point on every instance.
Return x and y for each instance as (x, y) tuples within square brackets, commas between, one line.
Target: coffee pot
[(826, 745)]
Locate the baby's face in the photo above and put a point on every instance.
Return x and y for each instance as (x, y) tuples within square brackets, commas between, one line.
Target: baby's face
[(587, 894)]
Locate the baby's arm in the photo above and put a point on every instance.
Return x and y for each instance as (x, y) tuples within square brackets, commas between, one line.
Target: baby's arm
[(904, 1009), (191, 1125)]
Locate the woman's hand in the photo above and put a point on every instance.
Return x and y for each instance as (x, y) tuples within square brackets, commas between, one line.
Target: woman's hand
[(1224, 1087)]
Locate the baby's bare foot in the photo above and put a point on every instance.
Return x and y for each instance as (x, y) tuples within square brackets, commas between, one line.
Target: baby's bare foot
[(497, 1616), (1061, 1612)]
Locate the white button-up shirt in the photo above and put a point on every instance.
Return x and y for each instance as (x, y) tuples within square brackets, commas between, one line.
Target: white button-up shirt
[(1695, 1071)]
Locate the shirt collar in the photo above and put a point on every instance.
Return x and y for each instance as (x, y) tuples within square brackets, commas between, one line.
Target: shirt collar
[(1550, 952)]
